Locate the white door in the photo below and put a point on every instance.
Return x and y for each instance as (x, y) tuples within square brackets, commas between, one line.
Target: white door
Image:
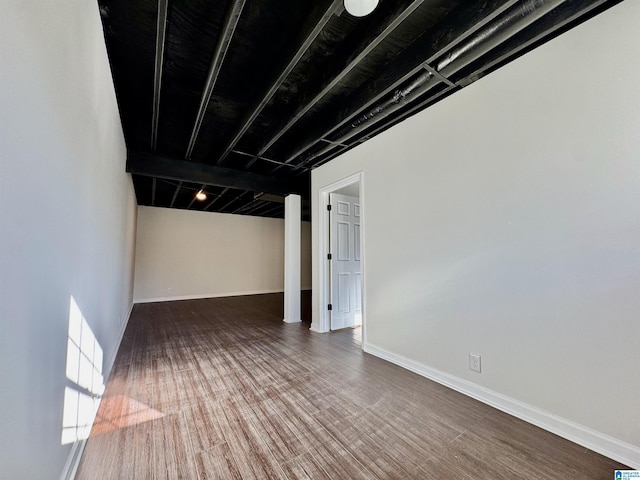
[(346, 280)]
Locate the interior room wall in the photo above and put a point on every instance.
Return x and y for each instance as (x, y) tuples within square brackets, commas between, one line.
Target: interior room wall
[(189, 254), (305, 256), (505, 221), (67, 220)]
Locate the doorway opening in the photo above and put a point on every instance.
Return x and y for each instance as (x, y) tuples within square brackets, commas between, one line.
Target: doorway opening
[(342, 291)]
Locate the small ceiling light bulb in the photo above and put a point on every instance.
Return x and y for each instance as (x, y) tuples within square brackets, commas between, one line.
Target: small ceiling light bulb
[(201, 196), (360, 8)]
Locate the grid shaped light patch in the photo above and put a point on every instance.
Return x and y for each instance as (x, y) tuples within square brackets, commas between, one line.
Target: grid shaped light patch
[(84, 369)]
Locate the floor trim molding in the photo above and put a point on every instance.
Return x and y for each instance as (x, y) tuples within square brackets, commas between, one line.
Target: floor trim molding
[(73, 461), (206, 295), (114, 353), (588, 438), (315, 328)]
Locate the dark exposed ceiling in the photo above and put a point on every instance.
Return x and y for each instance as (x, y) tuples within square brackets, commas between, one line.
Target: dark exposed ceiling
[(242, 98)]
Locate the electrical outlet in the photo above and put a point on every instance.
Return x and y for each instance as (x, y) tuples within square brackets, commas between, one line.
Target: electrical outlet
[(474, 362)]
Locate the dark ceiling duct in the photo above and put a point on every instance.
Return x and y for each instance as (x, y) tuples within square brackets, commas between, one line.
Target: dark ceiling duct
[(493, 34), (421, 84)]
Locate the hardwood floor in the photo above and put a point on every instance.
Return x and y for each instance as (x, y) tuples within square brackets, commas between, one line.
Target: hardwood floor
[(222, 388)]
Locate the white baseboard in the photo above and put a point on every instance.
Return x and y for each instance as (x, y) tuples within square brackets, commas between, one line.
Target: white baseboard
[(291, 321), (73, 460), (314, 328), (205, 295), (114, 352), (618, 450)]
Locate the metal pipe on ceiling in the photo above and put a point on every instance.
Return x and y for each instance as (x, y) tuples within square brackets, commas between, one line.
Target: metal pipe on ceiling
[(229, 27), (175, 194), (210, 204), (503, 28), (413, 108), (555, 24), (493, 34), (392, 20), (410, 66)]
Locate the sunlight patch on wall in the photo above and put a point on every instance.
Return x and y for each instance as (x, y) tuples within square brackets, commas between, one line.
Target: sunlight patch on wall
[(84, 369)]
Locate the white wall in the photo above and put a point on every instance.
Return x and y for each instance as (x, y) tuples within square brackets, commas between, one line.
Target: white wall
[(188, 254), (505, 221), (305, 256), (67, 219)]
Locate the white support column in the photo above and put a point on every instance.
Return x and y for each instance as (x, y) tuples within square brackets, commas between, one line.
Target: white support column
[(292, 224)]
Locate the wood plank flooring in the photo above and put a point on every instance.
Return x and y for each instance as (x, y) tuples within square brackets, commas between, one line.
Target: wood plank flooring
[(222, 388)]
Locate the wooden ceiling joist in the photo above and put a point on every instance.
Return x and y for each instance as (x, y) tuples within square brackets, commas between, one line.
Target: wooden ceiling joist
[(156, 166), (159, 61), (408, 63), (271, 89), (310, 32), (217, 197), (175, 194), (230, 24), (546, 26), (351, 57)]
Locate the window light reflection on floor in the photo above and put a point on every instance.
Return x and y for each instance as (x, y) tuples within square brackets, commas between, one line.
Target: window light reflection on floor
[(120, 411), (86, 412)]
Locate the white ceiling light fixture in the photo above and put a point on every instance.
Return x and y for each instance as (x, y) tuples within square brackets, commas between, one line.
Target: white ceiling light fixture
[(201, 196), (360, 8)]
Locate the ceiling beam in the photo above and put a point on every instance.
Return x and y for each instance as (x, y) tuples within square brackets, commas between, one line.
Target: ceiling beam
[(474, 16), (547, 27), (232, 201), (412, 98), (247, 206), (368, 41), (210, 204), (257, 208), (161, 31), (411, 109), (229, 27), (270, 160), (278, 199), (312, 29), (156, 166), (269, 211), (562, 15), (175, 194)]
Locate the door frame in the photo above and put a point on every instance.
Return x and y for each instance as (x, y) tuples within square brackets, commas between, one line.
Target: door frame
[(323, 274)]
